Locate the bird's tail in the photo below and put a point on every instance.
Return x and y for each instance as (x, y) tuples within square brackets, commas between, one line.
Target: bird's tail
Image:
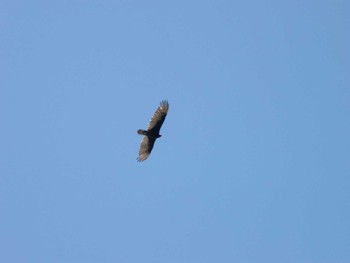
[(141, 132)]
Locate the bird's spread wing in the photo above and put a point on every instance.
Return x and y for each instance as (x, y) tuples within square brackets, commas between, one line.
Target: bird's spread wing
[(145, 148), (159, 117)]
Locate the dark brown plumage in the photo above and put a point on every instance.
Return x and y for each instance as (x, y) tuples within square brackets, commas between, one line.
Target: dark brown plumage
[(152, 133)]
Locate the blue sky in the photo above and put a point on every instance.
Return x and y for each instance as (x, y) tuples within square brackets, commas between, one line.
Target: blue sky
[(254, 162)]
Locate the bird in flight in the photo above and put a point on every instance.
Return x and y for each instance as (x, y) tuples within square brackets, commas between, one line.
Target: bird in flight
[(152, 132)]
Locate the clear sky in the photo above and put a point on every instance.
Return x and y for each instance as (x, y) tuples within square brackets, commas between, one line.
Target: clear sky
[(254, 162)]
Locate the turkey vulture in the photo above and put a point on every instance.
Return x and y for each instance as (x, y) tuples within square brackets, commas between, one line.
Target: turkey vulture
[(152, 133)]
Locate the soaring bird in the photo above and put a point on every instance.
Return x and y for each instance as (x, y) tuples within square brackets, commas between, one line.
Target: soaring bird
[(152, 133)]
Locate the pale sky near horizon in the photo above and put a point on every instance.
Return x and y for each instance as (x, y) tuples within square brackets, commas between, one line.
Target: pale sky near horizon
[(254, 161)]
